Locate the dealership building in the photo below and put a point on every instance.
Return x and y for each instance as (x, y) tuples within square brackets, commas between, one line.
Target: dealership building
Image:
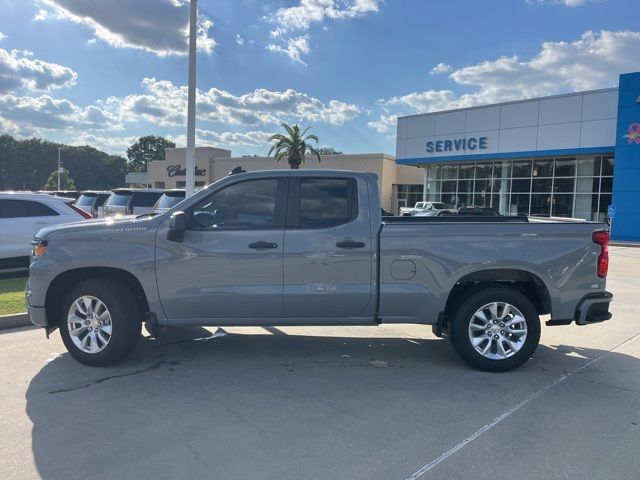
[(569, 155)]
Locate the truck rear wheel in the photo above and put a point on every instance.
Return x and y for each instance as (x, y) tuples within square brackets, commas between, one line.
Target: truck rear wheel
[(100, 322), (496, 330)]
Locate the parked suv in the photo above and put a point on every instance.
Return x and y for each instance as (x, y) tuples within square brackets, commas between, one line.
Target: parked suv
[(93, 202), (128, 201), (22, 215)]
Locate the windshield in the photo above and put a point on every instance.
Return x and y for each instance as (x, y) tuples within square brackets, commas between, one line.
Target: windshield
[(119, 199), (86, 200), (169, 200), (438, 205)]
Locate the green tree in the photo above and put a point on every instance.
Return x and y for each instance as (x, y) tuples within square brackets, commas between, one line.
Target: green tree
[(146, 149), (66, 182), (293, 145), (328, 151)]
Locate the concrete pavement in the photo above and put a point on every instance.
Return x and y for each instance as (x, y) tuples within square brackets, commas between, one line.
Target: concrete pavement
[(322, 403)]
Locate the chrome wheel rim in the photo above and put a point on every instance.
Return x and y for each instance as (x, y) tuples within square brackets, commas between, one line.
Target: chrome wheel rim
[(497, 330), (89, 324)]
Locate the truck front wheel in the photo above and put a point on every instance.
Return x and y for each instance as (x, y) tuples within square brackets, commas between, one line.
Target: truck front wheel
[(100, 322), (496, 329)]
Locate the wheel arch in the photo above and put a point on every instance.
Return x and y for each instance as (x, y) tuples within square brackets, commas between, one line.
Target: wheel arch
[(524, 281), (60, 285)]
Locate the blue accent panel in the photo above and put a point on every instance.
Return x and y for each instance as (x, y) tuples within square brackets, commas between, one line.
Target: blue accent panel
[(626, 180), (507, 155)]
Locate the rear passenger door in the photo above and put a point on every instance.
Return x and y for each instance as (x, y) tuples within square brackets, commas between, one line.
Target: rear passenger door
[(20, 220), (328, 250)]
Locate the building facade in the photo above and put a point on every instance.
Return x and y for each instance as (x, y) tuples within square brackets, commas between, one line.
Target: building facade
[(214, 163), (569, 155)]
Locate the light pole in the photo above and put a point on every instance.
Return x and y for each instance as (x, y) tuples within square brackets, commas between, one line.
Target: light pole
[(191, 102), (59, 167)]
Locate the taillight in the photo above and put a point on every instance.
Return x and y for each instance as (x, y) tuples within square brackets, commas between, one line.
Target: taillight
[(601, 237), (80, 211)]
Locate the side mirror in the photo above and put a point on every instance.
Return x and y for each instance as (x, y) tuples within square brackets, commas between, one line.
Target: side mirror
[(177, 226)]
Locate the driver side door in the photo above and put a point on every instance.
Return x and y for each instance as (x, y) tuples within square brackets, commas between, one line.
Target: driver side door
[(229, 264)]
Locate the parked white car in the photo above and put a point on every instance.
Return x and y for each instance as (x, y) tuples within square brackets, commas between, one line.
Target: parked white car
[(22, 215), (421, 207)]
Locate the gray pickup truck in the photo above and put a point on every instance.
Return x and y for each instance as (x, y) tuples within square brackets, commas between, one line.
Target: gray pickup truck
[(311, 248)]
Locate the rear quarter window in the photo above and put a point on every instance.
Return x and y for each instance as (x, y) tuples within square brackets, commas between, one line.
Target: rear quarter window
[(145, 199), (119, 199), (10, 208), (327, 202)]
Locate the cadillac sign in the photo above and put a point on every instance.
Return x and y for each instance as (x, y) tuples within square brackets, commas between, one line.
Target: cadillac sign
[(180, 171)]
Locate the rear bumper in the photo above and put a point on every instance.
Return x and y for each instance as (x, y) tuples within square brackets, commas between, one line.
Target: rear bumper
[(593, 308)]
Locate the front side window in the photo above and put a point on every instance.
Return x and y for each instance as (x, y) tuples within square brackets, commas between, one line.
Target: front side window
[(241, 206), (10, 208), (326, 202)]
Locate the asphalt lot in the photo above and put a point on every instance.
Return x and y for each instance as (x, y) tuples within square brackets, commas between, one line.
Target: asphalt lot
[(329, 403)]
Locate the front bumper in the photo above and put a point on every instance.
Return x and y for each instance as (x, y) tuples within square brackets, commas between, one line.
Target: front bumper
[(38, 315), (593, 308)]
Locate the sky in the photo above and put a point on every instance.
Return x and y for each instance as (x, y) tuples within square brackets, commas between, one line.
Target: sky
[(104, 72)]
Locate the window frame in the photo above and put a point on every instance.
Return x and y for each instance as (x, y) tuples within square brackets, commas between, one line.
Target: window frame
[(282, 190), (293, 203)]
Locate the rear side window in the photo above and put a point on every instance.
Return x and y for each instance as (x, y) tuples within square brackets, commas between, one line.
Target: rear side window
[(326, 202), (10, 208), (119, 199), (86, 200), (169, 200), (145, 199)]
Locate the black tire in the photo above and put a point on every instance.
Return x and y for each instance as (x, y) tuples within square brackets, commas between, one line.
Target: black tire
[(126, 321), (463, 315)]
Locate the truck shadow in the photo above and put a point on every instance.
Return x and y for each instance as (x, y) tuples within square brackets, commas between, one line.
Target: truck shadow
[(272, 405)]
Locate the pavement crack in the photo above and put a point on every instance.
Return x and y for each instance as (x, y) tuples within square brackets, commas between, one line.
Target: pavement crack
[(586, 380), (111, 377)]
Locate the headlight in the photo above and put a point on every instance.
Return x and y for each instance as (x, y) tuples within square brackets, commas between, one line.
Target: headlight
[(39, 247)]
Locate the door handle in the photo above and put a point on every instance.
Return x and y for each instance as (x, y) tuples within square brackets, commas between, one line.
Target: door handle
[(263, 245), (349, 244)]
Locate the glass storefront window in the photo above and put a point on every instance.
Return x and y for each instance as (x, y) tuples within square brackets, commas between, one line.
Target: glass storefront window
[(522, 169), (519, 204), (589, 166), (565, 167), (543, 167), (521, 186), (465, 186), (483, 170), (562, 205), (541, 204), (450, 172), (466, 171), (541, 185), (607, 166), (564, 185)]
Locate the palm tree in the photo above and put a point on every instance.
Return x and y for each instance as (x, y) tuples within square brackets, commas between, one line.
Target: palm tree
[(294, 146)]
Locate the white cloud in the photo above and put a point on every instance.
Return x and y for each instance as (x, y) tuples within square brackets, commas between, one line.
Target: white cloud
[(113, 145), (2, 36), (47, 113), (239, 39), (593, 61), (19, 69), (384, 124), (41, 14), (156, 26), (300, 18), (566, 3), (296, 47), (164, 103), (441, 68)]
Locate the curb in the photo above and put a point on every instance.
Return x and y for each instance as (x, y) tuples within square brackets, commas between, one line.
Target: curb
[(14, 321), (621, 243)]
